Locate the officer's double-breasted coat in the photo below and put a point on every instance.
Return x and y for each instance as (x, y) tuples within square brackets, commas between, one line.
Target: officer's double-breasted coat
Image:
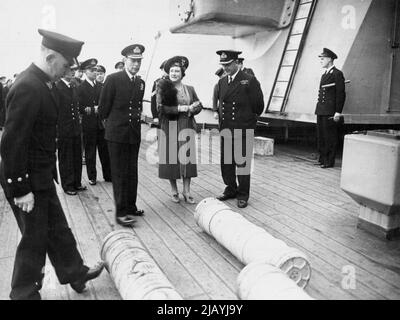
[(121, 104), (68, 119), (28, 146), (239, 103), (28, 165), (331, 99), (88, 98)]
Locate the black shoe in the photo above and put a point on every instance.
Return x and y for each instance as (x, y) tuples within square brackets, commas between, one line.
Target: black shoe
[(242, 204), (71, 193), (137, 213), (225, 197), (107, 180), (81, 188), (126, 221), (92, 182), (80, 285)]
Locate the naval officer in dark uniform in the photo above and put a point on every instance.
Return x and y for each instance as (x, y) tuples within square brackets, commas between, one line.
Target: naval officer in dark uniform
[(121, 107), (69, 136), (331, 99), (93, 130), (240, 102), (27, 170)]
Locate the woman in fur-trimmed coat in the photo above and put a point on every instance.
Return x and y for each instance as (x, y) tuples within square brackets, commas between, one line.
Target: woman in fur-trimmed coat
[(177, 104)]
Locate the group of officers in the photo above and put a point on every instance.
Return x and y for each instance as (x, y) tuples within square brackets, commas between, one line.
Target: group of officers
[(47, 103)]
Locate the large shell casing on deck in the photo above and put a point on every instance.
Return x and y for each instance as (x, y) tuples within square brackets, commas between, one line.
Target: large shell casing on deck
[(135, 274), (250, 243), (261, 281)]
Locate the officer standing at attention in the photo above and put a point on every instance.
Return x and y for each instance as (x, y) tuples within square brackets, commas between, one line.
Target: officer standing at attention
[(69, 136), (27, 170), (121, 106), (93, 131), (119, 66), (241, 101), (331, 99)]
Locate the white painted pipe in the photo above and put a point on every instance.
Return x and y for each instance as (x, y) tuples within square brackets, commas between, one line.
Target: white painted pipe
[(250, 243), (261, 281), (135, 274)]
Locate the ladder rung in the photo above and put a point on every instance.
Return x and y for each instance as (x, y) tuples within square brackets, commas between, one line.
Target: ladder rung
[(287, 65), (303, 18)]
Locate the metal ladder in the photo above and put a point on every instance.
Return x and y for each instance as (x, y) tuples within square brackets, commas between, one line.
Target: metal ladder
[(291, 56)]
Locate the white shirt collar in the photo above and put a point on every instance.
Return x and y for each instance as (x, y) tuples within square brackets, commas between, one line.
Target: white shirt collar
[(68, 84), (234, 76), (90, 81), (130, 75), (329, 69)]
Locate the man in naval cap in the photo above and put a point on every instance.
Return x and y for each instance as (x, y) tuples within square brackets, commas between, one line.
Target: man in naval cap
[(93, 130), (28, 168), (239, 103), (331, 99)]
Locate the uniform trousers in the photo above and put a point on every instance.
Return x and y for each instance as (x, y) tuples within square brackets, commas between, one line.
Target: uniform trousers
[(327, 134), (236, 158), (70, 162), (94, 139), (44, 230), (124, 171)]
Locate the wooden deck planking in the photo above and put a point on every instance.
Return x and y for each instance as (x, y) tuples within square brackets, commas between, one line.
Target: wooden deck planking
[(89, 246), (332, 224), (6, 268), (295, 239), (173, 217), (324, 283), (184, 283)]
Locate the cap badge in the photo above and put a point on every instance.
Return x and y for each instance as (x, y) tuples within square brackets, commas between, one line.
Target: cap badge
[(137, 50), (224, 56)]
